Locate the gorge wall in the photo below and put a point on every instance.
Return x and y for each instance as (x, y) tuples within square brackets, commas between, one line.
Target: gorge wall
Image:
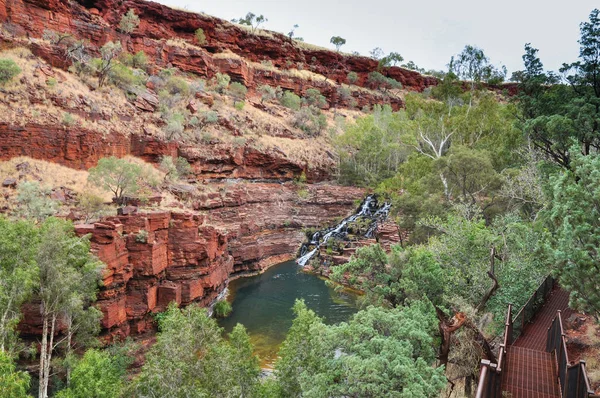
[(167, 36)]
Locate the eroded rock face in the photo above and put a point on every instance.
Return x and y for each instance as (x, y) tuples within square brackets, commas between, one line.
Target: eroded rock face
[(96, 21), (153, 259)]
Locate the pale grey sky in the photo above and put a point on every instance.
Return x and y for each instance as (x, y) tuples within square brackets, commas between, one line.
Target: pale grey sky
[(427, 32)]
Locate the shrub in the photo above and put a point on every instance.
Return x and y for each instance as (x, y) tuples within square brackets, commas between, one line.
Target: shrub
[(310, 120), (313, 97), (222, 309), (268, 93), (303, 194), (140, 60), (8, 70), (291, 100), (177, 85), (123, 77), (68, 119), (221, 82), (175, 169), (383, 83), (129, 22), (174, 128), (142, 236), (206, 138), (352, 77), (238, 91), (239, 105), (210, 117), (91, 205), (200, 36), (51, 82), (34, 201)]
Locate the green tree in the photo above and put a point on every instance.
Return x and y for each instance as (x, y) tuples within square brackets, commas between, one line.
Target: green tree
[(191, 359), (573, 217), (313, 97), (175, 169), (291, 100), (8, 70), (68, 283), (99, 374), (118, 176), (105, 64), (18, 276), (555, 115), (252, 20), (338, 42), (13, 384), (390, 60), (129, 22), (383, 83)]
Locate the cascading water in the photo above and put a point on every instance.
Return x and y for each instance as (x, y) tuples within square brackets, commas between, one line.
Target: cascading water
[(370, 209)]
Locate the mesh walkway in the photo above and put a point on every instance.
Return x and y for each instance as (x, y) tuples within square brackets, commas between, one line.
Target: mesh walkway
[(531, 370)]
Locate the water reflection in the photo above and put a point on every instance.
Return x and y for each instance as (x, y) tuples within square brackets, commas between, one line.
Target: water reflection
[(263, 304)]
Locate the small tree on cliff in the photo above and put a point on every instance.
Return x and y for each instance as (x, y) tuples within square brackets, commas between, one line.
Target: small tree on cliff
[(129, 22), (105, 64), (69, 280), (117, 176), (338, 42), (251, 20)]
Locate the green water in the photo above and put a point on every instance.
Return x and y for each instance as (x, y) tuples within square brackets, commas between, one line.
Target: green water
[(263, 304)]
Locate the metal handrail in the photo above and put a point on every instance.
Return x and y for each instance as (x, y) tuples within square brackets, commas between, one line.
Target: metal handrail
[(572, 378)]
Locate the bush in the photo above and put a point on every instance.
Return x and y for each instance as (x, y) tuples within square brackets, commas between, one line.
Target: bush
[(222, 309), (221, 82), (175, 168), (8, 70), (123, 77), (310, 120), (142, 236), (34, 201), (200, 36), (210, 117), (313, 97), (269, 93), (352, 77), (383, 83), (177, 85), (290, 100), (68, 119), (174, 128), (239, 105), (129, 22), (140, 60), (238, 91), (51, 82)]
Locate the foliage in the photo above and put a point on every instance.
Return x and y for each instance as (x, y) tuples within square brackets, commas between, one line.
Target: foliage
[(104, 65), (18, 276), (338, 42), (556, 115), (68, 119), (175, 169), (175, 127), (69, 280), (34, 201), (383, 83), (310, 119), (290, 100), (573, 219), (313, 97), (379, 352), (200, 36), (390, 60), (268, 93), (141, 236), (176, 85), (251, 20), (222, 309), (91, 205), (221, 81), (352, 77), (191, 359), (8, 70), (129, 22), (118, 176), (13, 384), (99, 374), (238, 91)]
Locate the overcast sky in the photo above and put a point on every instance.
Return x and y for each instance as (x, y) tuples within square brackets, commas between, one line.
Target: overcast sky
[(426, 32)]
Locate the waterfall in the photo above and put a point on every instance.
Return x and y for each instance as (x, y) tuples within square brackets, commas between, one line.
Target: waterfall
[(369, 208)]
